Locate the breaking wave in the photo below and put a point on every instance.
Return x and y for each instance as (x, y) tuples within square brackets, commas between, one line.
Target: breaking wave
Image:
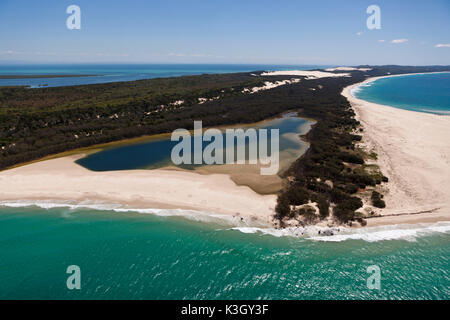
[(393, 232), (370, 234), (315, 233), (438, 112), (356, 89), (189, 214)]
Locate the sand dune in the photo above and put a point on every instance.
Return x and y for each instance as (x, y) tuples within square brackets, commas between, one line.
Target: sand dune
[(413, 151), (348, 69), (308, 74)]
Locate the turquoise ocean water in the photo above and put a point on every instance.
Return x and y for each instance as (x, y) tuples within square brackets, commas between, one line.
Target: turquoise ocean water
[(422, 92), (127, 253), (146, 256)]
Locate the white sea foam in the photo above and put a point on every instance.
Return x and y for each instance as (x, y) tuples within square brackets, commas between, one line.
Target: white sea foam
[(289, 232), (370, 234), (360, 87), (100, 206), (59, 204), (438, 112), (189, 214), (315, 233), (393, 232)]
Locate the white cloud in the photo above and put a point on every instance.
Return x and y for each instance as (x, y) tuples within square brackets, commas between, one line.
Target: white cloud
[(442, 45), (359, 33), (173, 54), (200, 55), (39, 53), (194, 55), (10, 52), (381, 40), (399, 41)]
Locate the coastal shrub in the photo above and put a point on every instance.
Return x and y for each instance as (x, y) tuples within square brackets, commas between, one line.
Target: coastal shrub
[(351, 158), (317, 186), (359, 217), (343, 215), (309, 214), (345, 210), (349, 188), (338, 195), (360, 179), (353, 203), (377, 200), (362, 222), (324, 206), (297, 195), (282, 209)]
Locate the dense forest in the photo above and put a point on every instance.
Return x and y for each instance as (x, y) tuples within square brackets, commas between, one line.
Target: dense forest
[(39, 122)]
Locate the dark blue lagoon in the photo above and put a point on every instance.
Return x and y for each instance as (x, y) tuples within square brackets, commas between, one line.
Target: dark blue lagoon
[(155, 152)]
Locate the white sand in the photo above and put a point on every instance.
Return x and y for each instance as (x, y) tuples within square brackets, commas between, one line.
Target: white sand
[(63, 180), (348, 69), (270, 85), (309, 74), (414, 153)]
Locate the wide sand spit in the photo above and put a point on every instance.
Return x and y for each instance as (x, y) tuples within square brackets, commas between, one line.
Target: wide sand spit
[(413, 150)]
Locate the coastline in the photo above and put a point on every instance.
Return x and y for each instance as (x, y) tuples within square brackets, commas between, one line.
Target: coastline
[(401, 138), (412, 151), (66, 181), (372, 79), (237, 191)]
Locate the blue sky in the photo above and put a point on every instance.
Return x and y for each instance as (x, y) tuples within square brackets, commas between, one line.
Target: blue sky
[(234, 31)]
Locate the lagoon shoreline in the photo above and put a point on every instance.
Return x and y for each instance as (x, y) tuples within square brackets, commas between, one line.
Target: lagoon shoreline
[(410, 147), (235, 193)]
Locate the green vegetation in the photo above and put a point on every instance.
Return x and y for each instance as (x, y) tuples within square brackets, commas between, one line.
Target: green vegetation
[(333, 157), (377, 200), (38, 122)]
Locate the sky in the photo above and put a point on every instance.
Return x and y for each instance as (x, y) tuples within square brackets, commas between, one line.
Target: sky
[(319, 32)]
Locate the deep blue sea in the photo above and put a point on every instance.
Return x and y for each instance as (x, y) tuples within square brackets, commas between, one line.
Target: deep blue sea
[(104, 73), (422, 92)]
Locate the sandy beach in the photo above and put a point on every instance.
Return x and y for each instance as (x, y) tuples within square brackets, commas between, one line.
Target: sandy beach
[(239, 191), (412, 148), (414, 153), (63, 180)]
